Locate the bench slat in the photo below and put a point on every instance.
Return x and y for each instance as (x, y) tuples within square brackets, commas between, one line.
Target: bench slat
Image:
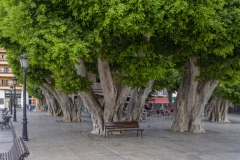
[(18, 150), (122, 126)]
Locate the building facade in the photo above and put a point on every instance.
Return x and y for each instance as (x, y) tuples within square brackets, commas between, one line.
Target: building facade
[(6, 77)]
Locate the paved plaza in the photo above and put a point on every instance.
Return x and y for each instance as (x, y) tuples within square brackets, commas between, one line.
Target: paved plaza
[(50, 139)]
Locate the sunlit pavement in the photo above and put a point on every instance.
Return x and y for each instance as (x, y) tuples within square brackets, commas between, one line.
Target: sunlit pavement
[(50, 139)]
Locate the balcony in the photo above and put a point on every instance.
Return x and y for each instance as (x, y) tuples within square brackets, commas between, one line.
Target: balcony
[(3, 60), (5, 72), (8, 85)]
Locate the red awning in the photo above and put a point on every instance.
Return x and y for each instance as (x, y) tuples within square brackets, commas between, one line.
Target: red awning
[(158, 100)]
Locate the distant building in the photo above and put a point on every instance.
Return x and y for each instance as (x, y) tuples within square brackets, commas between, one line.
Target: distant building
[(6, 76)]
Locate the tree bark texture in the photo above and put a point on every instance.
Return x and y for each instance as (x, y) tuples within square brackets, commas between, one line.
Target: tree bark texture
[(95, 110), (170, 99), (115, 95), (66, 105), (208, 108), (64, 101), (131, 104), (137, 102), (41, 104), (53, 106), (91, 102), (77, 110), (218, 111), (191, 99)]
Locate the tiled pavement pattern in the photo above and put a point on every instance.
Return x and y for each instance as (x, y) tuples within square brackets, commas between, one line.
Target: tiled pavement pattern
[(50, 139), (6, 139)]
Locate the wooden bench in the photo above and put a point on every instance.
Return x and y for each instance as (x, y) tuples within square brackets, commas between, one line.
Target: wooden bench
[(4, 110), (5, 122), (4, 114), (122, 126), (18, 151)]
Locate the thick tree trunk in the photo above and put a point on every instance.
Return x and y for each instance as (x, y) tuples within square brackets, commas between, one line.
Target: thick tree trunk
[(219, 110), (95, 110), (131, 104), (66, 105), (92, 104), (208, 107), (191, 100), (170, 99), (64, 101), (41, 104), (137, 102), (77, 110), (120, 101), (115, 94), (53, 107)]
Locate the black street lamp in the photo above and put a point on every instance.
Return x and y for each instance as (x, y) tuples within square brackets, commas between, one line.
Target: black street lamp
[(14, 98), (24, 65), (11, 88)]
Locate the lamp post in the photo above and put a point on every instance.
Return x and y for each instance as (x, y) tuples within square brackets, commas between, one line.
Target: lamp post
[(11, 88), (14, 98), (24, 65)]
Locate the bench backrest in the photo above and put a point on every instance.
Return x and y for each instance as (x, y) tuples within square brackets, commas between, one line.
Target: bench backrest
[(6, 119), (5, 113), (133, 124), (18, 150), (4, 109)]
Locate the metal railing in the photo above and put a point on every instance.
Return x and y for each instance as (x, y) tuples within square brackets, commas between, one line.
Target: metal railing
[(6, 72), (8, 84)]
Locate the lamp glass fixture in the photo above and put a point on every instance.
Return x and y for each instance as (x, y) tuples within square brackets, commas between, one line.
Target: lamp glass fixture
[(23, 61), (14, 81), (11, 88)]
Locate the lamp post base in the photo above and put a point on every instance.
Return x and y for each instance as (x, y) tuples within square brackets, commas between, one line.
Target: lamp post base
[(24, 131), (14, 115)]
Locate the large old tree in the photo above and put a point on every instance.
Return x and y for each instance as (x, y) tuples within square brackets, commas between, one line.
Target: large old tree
[(59, 38), (59, 104), (205, 44), (126, 44), (223, 96)]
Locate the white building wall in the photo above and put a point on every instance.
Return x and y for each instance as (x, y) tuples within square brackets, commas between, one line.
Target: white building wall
[(2, 98), (27, 98)]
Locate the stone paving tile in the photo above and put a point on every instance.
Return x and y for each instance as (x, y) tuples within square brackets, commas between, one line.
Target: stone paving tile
[(6, 139), (50, 139)]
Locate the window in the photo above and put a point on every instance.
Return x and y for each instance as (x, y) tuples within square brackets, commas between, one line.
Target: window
[(160, 93), (1, 100), (3, 57), (4, 82), (31, 100), (5, 69)]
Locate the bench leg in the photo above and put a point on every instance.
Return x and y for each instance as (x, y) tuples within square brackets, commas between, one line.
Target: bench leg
[(105, 134)]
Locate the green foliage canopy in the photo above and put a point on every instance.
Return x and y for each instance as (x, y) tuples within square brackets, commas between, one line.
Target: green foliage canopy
[(229, 92), (140, 39)]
